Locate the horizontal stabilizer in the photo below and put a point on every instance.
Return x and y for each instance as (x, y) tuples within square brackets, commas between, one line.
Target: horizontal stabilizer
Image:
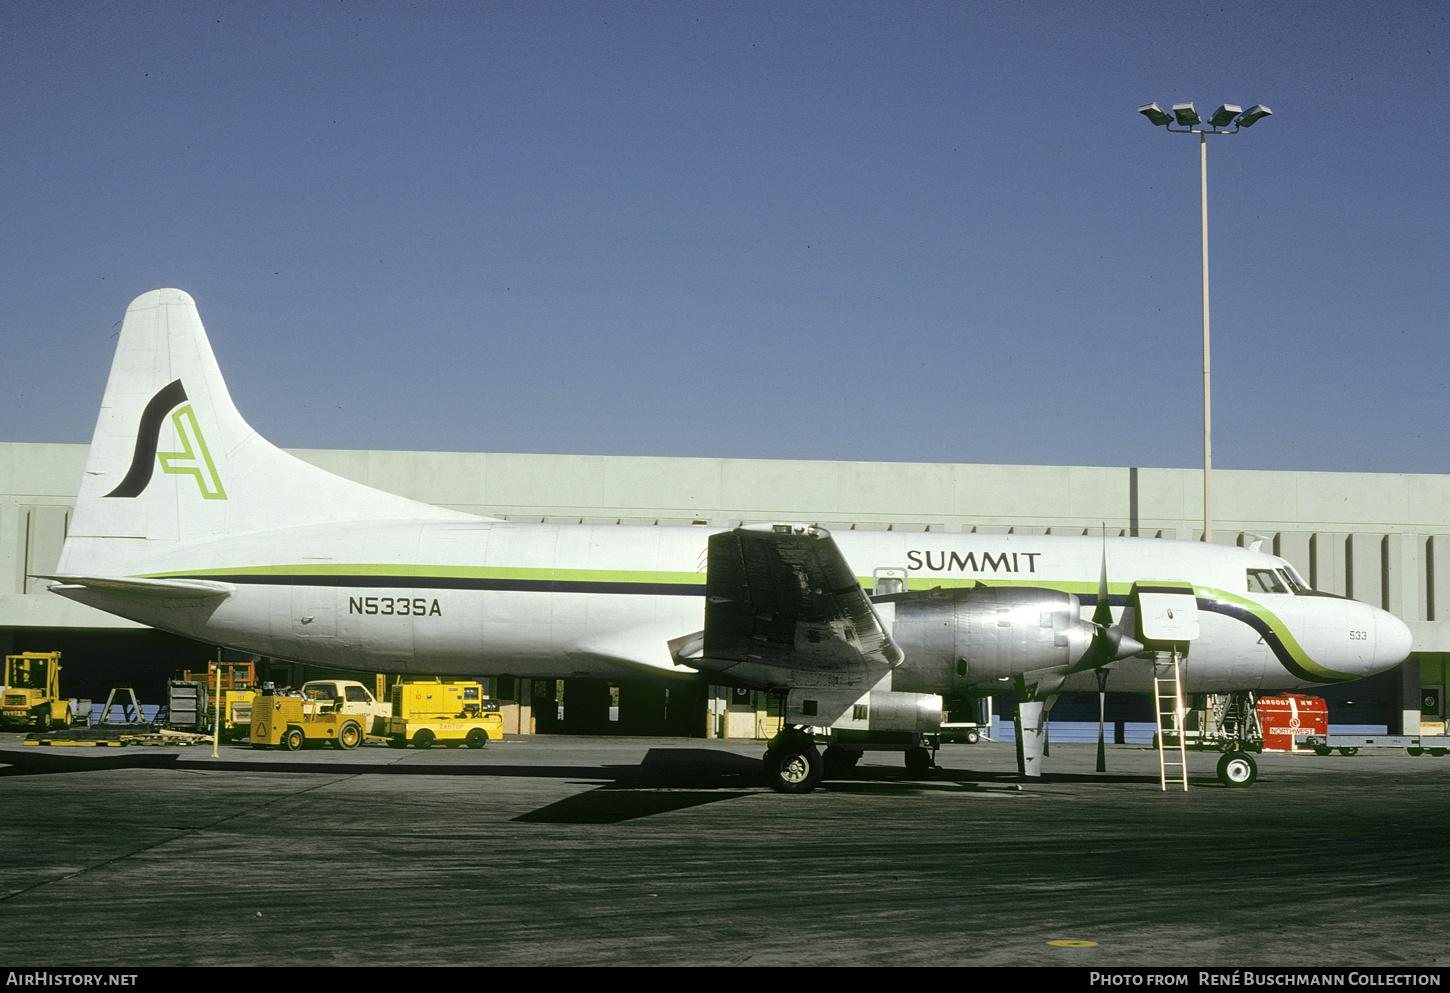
[(168, 588)]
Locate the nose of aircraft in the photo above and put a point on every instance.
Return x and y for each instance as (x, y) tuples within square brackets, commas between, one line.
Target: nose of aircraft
[(1392, 642)]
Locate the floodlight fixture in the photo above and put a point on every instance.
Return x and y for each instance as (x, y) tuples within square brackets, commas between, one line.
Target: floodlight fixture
[(1227, 114), (1155, 114), (1224, 116), (1186, 115), (1248, 117)]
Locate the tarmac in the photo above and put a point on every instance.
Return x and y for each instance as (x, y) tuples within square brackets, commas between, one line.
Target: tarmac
[(572, 851)]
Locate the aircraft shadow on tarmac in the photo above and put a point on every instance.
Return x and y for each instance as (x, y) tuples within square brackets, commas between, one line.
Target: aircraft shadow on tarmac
[(667, 779)]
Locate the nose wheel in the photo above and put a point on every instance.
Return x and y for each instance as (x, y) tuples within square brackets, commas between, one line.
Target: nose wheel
[(1237, 770)]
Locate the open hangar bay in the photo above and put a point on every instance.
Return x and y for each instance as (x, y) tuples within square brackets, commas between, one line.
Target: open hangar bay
[(564, 850)]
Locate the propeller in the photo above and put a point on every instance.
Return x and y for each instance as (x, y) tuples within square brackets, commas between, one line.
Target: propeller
[(1111, 642)]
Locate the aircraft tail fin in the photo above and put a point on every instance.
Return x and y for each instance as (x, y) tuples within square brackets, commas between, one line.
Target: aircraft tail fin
[(172, 462)]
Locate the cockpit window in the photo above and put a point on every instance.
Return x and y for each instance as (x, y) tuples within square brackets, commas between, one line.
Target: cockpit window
[(1266, 581), (1289, 580)]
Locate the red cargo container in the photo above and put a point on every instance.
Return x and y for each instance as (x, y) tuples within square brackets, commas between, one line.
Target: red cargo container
[(1281, 717)]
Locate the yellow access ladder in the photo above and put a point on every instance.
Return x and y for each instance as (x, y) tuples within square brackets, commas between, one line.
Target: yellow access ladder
[(1170, 712)]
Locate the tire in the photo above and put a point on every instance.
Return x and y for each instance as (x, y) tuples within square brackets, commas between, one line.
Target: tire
[(1437, 751), (1415, 751), (918, 761), (423, 739), (477, 738), (292, 739), (397, 741), (973, 736), (1349, 751), (796, 770), (1323, 750), (1237, 770), (349, 736)]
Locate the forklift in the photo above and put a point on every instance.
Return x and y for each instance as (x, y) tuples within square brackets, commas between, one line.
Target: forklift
[(31, 696)]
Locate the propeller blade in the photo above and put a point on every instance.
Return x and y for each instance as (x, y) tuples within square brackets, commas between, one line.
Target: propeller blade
[(1111, 642)]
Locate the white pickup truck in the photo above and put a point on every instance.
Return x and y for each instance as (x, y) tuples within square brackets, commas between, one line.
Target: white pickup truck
[(356, 699)]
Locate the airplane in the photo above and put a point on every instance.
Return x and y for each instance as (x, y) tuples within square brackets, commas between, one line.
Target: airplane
[(189, 521)]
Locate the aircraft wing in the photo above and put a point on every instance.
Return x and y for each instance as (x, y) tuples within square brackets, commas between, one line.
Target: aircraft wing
[(781, 602)]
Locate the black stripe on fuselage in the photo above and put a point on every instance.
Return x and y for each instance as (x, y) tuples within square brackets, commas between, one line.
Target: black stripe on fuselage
[(461, 583)]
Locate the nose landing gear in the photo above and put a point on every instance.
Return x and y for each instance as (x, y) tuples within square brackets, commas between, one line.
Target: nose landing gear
[(1237, 769)]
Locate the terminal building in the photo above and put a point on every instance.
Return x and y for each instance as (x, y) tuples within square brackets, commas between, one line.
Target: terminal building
[(1378, 537)]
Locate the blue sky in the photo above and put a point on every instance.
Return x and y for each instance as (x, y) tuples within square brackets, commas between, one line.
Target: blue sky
[(929, 232)]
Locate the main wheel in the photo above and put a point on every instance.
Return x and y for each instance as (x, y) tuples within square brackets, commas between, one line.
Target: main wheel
[(973, 736), (292, 739), (349, 736), (792, 769), (477, 738), (423, 739), (1237, 770)]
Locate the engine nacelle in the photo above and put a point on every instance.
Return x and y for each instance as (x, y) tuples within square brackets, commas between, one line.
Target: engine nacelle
[(876, 710), (955, 638)]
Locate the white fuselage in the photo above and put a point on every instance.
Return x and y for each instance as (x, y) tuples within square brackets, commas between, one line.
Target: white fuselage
[(456, 597)]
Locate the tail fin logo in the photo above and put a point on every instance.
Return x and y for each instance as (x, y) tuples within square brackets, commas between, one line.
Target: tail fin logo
[(194, 459)]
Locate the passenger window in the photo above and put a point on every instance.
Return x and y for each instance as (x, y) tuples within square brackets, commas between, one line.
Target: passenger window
[(1265, 581), (356, 694)]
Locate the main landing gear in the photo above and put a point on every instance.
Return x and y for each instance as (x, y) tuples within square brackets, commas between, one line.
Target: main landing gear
[(792, 763)]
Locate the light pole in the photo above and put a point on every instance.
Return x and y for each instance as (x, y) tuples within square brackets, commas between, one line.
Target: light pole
[(1187, 117)]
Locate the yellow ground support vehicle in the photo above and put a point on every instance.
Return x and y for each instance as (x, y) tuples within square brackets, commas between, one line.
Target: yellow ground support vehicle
[(233, 686), (31, 695), (292, 721), (451, 714)]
